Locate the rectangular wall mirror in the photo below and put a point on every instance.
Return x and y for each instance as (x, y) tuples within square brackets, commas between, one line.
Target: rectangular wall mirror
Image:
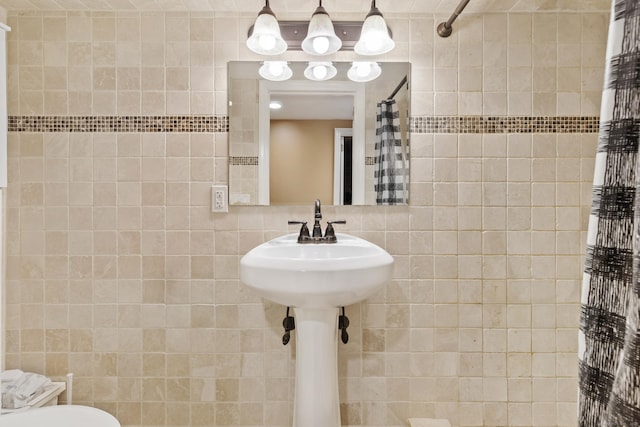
[(343, 142)]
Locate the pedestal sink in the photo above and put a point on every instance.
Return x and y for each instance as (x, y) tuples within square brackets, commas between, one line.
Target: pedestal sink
[(316, 280)]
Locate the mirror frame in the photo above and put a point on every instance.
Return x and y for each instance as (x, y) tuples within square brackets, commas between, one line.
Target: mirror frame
[(302, 87)]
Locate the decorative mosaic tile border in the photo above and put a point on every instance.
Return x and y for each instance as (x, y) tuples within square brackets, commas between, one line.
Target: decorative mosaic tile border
[(243, 161), (504, 124), (253, 161), (220, 123)]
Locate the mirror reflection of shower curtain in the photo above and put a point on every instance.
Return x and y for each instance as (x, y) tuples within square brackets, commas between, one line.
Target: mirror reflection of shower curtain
[(391, 175), (609, 337)]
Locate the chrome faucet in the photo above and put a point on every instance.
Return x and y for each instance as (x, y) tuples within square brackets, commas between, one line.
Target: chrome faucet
[(316, 236)]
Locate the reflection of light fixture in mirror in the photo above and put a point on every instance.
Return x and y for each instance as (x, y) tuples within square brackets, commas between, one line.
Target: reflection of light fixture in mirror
[(320, 71), (375, 38), (275, 105), (321, 37), (276, 71), (362, 71), (264, 35)]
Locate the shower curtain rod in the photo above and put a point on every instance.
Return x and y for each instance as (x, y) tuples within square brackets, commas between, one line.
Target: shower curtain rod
[(397, 89), (445, 29)]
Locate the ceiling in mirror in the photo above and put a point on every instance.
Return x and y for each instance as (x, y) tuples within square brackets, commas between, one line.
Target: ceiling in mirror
[(316, 107), (322, 140)]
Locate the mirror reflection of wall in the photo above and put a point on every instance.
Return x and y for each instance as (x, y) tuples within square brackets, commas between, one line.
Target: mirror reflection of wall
[(259, 158), (303, 148)]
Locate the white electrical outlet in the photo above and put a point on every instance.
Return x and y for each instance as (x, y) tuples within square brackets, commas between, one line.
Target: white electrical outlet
[(219, 198)]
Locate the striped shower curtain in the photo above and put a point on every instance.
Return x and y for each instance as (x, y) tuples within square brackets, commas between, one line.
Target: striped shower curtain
[(391, 174), (609, 337)]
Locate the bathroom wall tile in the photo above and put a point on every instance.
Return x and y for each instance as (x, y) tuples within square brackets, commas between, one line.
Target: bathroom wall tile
[(480, 321), (519, 414)]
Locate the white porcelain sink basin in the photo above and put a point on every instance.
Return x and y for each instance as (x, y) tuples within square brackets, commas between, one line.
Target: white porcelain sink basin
[(316, 275)]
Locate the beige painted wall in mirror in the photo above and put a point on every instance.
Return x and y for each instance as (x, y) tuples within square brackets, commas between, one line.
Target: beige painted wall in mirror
[(302, 148), (246, 119)]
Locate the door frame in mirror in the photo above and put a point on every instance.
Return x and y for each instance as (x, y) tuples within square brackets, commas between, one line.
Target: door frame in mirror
[(338, 163), (302, 87)]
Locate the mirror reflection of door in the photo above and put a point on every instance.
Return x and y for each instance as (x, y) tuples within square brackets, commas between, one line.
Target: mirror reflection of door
[(343, 167), (347, 169), (306, 148)]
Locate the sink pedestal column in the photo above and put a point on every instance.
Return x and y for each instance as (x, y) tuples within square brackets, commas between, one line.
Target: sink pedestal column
[(316, 395)]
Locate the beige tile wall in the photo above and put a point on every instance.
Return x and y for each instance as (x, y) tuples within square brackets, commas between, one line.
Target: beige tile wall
[(243, 130), (119, 273)]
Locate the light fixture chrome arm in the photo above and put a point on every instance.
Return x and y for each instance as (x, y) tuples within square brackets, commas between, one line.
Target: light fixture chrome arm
[(374, 10)]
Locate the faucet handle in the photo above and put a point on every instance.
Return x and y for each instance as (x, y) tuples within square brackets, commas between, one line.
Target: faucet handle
[(330, 233), (304, 230)]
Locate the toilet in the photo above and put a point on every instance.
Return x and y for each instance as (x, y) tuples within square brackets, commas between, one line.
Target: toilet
[(59, 416)]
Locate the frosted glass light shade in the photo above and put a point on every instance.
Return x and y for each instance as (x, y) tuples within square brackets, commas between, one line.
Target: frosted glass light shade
[(321, 36), (374, 38), (362, 71), (320, 71), (265, 37), (276, 71)]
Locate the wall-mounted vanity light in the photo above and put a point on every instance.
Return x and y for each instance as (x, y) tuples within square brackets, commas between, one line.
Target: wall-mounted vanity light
[(320, 35), (320, 71), (375, 38), (264, 35), (276, 71)]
